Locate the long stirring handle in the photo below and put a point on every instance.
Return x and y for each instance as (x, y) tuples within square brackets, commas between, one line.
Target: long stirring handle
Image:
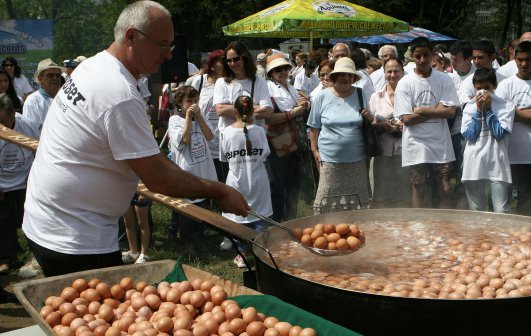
[(272, 222)]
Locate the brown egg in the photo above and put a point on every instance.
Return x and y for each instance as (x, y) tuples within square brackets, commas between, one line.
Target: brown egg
[(138, 302), (49, 299), (271, 332), (81, 330), (354, 230), (68, 318), (126, 283), (249, 314), (255, 328), (89, 317), (104, 290), (94, 307), (113, 331), (164, 324), (173, 295), (295, 331), (153, 301), (342, 244), (331, 246), (284, 327), (185, 286), (333, 237), (211, 324), (342, 229), (270, 322), (76, 323), (197, 299), (106, 312), (57, 302), (307, 231), (353, 243), (182, 322), (308, 332), (306, 239), (93, 283), (80, 285), (149, 290), (65, 331), (67, 307), (79, 301), (69, 294), (237, 326), (232, 311), (101, 330), (320, 243), (45, 311), (183, 332), (92, 295)]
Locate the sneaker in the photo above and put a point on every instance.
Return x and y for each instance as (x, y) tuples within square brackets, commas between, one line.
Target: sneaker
[(226, 244), (128, 257), (142, 258), (239, 261)]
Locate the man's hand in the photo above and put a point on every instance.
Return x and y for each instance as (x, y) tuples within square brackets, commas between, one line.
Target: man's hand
[(232, 201)]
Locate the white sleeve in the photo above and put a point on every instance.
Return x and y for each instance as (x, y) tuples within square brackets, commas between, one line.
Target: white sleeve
[(449, 94), (299, 82), (128, 131), (466, 90), (221, 95), (26, 87), (261, 93), (31, 110), (403, 101)]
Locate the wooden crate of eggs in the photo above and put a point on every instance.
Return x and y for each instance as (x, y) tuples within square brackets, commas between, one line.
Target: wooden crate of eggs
[(120, 301)]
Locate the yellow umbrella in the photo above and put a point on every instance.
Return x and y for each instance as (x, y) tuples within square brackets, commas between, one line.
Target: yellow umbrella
[(315, 19)]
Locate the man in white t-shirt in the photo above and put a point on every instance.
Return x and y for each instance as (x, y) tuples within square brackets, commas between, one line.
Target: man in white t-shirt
[(509, 69), (424, 99), (483, 54), (517, 89), (48, 76), (96, 146)]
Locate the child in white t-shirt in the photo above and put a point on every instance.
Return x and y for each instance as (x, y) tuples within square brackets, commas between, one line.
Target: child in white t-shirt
[(189, 133), (487, 122), (244, 146)]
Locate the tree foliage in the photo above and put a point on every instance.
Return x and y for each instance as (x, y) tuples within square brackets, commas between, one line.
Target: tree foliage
[(84, 27)]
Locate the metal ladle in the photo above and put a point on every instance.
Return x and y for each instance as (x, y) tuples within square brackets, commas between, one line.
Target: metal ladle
[(314, 250)]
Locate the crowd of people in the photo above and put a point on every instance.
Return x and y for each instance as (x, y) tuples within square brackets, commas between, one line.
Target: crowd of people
[(452, 127)]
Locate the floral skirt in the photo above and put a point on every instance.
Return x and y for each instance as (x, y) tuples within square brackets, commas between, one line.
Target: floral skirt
[(339, 180)]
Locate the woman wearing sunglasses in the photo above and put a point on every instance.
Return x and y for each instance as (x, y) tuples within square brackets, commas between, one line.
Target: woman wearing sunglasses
[(285, 159), (325, 68), (22, 85)]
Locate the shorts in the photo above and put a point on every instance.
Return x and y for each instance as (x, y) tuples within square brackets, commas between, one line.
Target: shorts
[(424, 172), (143, 203)]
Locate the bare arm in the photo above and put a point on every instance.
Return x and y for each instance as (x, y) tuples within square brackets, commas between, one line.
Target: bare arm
[(523, 115), (314, 136), (160, 175), (277, 118), (225, 110), (413, 119), (262, 112), (440, 111)]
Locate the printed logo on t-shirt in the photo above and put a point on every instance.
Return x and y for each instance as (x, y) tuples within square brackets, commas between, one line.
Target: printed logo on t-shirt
[(243, 152), (71, 92), (198, 148), (12, 158), (426, 98), (522, 99)]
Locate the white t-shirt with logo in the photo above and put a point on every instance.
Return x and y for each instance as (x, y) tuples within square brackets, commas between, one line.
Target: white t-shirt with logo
[(430, 141), (518, 91), (80, 184), (208, 110), (15, 161), (487, 158), (247, 173), (36, 107), (226, 93), (193, 157)]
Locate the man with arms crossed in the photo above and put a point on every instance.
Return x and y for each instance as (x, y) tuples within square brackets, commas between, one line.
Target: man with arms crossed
[(87, 167), (423, 100)]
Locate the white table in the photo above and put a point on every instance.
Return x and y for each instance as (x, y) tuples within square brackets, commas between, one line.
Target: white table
[(28, 331)]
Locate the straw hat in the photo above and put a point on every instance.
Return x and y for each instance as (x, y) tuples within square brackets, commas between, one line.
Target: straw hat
[(46, 64), (275, 61), (346, 65), (80, 59)]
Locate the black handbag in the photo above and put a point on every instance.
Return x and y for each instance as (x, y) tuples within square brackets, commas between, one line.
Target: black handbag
[(370, 138)]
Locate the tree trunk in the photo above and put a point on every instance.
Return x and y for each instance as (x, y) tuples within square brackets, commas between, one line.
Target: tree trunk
[(507, 22), (10, 11)]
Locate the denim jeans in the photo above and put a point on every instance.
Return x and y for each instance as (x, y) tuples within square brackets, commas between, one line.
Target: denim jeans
[(476, 194)]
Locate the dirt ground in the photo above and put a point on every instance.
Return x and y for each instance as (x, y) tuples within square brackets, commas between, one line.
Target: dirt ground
[(13, 316)]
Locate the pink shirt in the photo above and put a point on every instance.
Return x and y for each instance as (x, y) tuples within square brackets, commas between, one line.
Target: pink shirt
[(382, 108)]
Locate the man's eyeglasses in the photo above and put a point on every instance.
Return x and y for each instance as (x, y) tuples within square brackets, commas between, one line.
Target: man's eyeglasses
[(233, 60), (52, 75), (163, 48), (280, 69), (324, 75), (8, 65)]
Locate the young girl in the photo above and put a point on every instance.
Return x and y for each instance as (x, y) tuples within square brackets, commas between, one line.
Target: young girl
[(244, 146), (189, 133)]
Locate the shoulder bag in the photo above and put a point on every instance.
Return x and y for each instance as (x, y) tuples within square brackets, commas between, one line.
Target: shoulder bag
[(372, 145)]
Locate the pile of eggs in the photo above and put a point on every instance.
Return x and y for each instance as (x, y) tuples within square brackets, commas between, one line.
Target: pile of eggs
[(331, 237), (426, 260), (196, 308)]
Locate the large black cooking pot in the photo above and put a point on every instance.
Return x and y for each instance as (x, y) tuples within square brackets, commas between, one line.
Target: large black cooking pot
[(373, 314)]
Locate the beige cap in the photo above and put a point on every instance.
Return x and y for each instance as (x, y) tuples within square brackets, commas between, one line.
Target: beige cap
[(275, 61), (46, 64), (346, 65)]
